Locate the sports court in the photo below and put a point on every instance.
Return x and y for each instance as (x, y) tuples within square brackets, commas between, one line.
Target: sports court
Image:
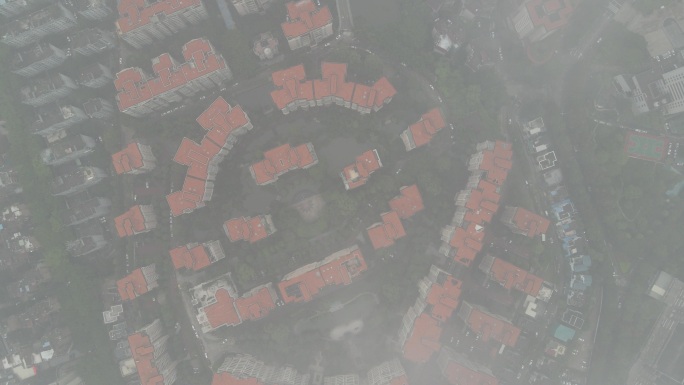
[(646, 147)]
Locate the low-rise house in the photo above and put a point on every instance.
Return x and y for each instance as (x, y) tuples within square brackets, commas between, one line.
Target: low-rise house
[(138, 219), (510, 276), (580, 263), (26, 286), (408, 203), (357, 173), (524, 222), (420, 133), (250, 229), (282, 159), (136, 158), (384, 234), (488, 326), (195, 256), (138, 282)]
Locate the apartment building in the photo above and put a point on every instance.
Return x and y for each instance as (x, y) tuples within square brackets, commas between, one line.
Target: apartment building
[(458, 370), (387, 373), (95, 75), (249, 229), (140, 94), (37, 58), (136, 158), (67, 150), (92, 9), (489, 326), (306, 24), (421, 133), (358, 173), (196, 256), (76, 181), (55, 117), (510, 276), (279, 160), (37, 25), (86, 210), (142, 22), (98, 108), (86, 245), (534, 20), (138, 219), (10, 8), (384, 234), (47, 88), (524, 222), (246, 7), (408, 203), (223, 124), (91, 41), (138, 282), (240, 368), (149, 347)]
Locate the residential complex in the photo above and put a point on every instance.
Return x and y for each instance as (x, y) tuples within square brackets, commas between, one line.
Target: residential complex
[(91, 41), (408, 203), (488, 326), (307, 24), (218, 304), (421, 328), (95, 75), (93, 9), (458, 370), (140, 94), (223, 124), (47, 88), (86, 210), (195, 256), (282, 159), (149, 348), (510, 276), (138, 219), (138, 282), (9, 8), (29, 29), (535, 20), (524, 222), (76, 180), (357, 173), (384, 234), (55, 117), (98, 108), (37, 58), (656, 89), (142, 22), (136, 158), (249, 229), (67, 150), (305, 283), (421, 132), (294, 91), (245, 7), (245, 369)]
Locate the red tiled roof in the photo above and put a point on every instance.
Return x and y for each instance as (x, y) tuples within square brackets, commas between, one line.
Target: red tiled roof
[(384, 90), (255, 305), (128, 159), (458, 374), (424, 339), (304, 17), (468, 243), (289, 81), (384, 234), (357, 174), (250, 229), (136, 13), (444, 298), (552, 14), (530, 222), (480, 211), (134, 87), (512, 277), (225, 378), (281, 159), (132, 285), (195, 258), (223, 311), (143, 353), (497, 162), (429, 124), (408, 203), (490, 327), (338, 269), (130, 223)]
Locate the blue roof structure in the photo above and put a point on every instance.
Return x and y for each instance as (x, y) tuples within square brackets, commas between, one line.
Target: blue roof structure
[(580, 281), (564, 210), (580, 264), (564, 333)]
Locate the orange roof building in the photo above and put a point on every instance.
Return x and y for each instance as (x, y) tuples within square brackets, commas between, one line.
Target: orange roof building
[(458, 370), (138, 219), (493, 160), (149, 348), (421, 132), (524, 222), (408, 203), (511, 276), (306, 24), (195, 256), (139, 94), (225, 378), (282, 159), (423, 341), (218, 304), (442, 292), (489, 326), (383, 234), (534, 20), (294, 91), (305, 283), (223, 124), (138, 282), (136, 158), (357, 173), (249, 229), (141, 21)]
